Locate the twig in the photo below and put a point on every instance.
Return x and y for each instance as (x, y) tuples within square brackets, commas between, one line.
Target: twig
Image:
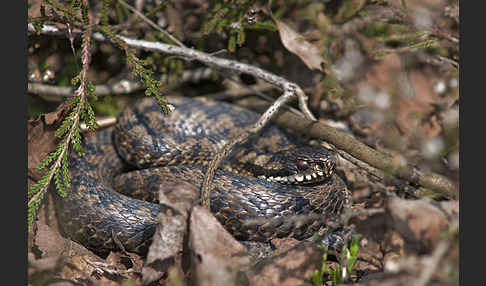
[(236, 66), (438, 61), (290, 89), (262, 95), (240, 91), (236, 92), (101, 268), (435, 182), (362, 165), (450, 61), (59, 93), (405, 49), (151, 23), (375, 13), (102, 123), (56, 93), (239, 139)]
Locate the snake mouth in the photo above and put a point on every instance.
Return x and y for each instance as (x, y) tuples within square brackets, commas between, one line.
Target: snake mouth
[(316, 173)]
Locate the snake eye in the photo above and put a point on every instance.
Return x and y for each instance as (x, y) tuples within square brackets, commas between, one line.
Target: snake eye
[(302, 165)]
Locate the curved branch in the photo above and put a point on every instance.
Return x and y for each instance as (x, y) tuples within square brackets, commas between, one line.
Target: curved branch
[(192, 54), (241, 138), (58, 93)]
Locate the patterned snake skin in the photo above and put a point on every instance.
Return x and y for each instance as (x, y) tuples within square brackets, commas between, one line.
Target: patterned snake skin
[(273, 175)]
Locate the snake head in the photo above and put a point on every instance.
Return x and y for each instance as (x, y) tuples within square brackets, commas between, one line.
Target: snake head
[(303, 165)]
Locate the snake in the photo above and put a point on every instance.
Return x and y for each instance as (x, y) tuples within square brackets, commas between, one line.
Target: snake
[(111, 200)]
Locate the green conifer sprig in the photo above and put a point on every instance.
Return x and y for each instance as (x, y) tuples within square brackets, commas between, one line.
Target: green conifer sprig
[(58, 14), (65, 125), (32, 210), (225, 14), (57, 180), (153, 86), (65, 173), (78, 110), (88, 116), (69, 13), (77, 107), (57, 160), (104, 12), (39, 184)]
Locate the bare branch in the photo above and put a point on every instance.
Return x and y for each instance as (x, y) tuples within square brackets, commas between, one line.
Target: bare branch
[(101, 268), (375, 14), (102, 123), (192, 54), (238, 90), (241, 138), (58, 93), (362, 165), (151, 23)]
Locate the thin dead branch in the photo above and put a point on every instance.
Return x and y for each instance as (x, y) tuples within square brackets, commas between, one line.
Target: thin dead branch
[(102, 123), (151, 23), (236, 89), (374, 14), (239, 90), (219, 63), (208, 59), (362, 165), (241, 138), (102, 268), (122, 87)]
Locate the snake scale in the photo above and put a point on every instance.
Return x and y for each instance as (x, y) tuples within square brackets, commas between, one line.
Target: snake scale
[(273, 175)]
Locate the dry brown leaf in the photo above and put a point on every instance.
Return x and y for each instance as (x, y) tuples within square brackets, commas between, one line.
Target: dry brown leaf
[(296, 43), (217, 257), (50, 242), (41, 140), (420, 222), (165, 250), (292, 267)]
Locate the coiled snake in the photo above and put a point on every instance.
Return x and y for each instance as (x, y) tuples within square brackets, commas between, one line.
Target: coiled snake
[(272, 175)]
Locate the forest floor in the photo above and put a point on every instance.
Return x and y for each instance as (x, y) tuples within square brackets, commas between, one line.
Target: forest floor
[(402, 105)]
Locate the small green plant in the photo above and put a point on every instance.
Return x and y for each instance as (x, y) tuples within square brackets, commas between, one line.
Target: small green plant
[(78, 108), (234, 18), (342, 271)]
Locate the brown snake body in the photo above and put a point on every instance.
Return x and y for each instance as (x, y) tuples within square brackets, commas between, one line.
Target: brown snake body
[(272, 176)]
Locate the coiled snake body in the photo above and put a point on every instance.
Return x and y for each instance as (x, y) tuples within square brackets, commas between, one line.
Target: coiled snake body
[(272, 175)]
